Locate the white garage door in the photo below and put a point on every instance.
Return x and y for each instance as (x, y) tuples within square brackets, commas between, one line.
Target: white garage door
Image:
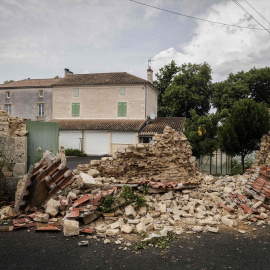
[(123, 137), (70, 139), (96, 143)]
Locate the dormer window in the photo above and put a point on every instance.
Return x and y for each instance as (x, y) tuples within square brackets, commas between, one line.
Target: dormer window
[(40, 93), (7, 94)]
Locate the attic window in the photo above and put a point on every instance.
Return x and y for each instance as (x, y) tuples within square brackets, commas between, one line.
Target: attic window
[(75, 92), (122, 91), (7, 94), (40, 93)]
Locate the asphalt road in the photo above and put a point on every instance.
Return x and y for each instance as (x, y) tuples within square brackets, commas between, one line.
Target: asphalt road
[(225, 250), (72, 162)]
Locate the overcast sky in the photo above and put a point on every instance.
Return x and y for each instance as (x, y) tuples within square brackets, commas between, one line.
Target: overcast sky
[(39, 38)]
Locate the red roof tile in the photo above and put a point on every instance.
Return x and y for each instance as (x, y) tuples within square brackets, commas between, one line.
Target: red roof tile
[(157, 125), (100, 124)]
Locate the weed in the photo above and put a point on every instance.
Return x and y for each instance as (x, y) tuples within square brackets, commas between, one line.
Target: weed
[(158, 242), (131, 197), (108, 204)]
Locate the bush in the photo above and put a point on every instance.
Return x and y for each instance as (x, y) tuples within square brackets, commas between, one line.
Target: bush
[(75, 152)]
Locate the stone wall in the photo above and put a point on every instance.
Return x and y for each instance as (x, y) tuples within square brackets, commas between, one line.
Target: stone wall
[(168, 158), (13, 145), (263, 155)]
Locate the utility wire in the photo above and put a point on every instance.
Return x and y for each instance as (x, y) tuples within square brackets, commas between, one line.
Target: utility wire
[(256, 11), (237, 3), (176, 13)]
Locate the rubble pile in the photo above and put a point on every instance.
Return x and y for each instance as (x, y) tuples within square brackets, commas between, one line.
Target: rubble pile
[(118, 210), (263, 155), (168, 157)]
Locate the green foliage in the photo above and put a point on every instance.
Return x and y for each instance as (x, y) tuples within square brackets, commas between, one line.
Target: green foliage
[(38, 155), (8, 81), (75, 152), (236, 165), (164, 79), (202, 131), (190, 89), (158, 242), (131, 197), (252, 84), (108, 204), (244, 127)]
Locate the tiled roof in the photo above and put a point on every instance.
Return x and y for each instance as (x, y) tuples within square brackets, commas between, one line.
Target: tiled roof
[(29, 83), (101, 78), (157, 125), (100, 124)]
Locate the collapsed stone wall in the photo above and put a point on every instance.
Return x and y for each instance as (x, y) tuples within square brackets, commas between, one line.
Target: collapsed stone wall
[(263, 155), (13, 145), (168, 158)]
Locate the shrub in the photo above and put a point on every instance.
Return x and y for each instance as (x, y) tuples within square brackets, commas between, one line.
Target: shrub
[(75, 152)]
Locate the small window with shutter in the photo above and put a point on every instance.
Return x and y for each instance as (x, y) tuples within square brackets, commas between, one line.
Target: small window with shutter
[(122, 109), (122, 91), (75, 92), (75, 109)]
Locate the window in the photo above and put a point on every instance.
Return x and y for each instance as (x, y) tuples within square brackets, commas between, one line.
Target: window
[(75, 109), (41, 110), (75, 92), (7, 94), (122, 109), (40, 93), (122, 91), (8, 109)]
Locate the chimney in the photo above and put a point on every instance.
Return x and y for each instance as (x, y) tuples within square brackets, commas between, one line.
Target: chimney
[(150, 74), (67, 72)]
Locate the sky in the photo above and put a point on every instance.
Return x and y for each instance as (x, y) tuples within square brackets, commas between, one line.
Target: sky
[(40, 38)]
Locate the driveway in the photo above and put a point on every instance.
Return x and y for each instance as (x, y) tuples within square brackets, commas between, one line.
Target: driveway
[(72, 162)]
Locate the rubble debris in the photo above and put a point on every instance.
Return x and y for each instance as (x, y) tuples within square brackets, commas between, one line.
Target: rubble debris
[(168, 157), (83, 243), (44, 179), (50, 227), (262, 156)]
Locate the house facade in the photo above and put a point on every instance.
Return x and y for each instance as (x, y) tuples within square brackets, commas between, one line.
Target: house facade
[(101, 112), (28, 99)]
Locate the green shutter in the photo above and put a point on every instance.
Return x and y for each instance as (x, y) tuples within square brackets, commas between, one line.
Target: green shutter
[(120, 109), (75, 109), (124, 109)]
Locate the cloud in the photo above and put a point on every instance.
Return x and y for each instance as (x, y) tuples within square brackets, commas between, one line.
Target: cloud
[(226, 49), (152, 12)]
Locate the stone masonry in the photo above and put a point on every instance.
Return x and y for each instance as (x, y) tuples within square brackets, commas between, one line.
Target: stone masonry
[(263, 155), (167, 158), (13, 145)]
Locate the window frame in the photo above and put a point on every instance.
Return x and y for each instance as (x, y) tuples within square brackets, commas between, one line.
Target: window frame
[(41, 109), (122, 91), (41, 91), (76, 90), (7, 94), (8, 111)]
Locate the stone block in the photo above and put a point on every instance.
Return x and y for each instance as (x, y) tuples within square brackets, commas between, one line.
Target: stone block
[(71, 227)]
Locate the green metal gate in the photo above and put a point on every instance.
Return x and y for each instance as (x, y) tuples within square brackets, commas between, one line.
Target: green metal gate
[(42, 136)]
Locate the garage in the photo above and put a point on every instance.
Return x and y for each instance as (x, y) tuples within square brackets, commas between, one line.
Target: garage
[(96, 143), (70, 139)]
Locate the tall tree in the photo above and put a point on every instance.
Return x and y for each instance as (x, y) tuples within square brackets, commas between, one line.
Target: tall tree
[(244, 127), (190, 89), (164, 79), (252, 84)]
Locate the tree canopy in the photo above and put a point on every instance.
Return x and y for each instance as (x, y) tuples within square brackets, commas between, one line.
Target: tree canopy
[(244, 127), (190, 89), (8, 81), (202, 132), (252, 84)]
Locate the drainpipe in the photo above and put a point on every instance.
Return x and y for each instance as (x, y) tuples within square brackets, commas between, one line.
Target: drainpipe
[(145, 98)]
